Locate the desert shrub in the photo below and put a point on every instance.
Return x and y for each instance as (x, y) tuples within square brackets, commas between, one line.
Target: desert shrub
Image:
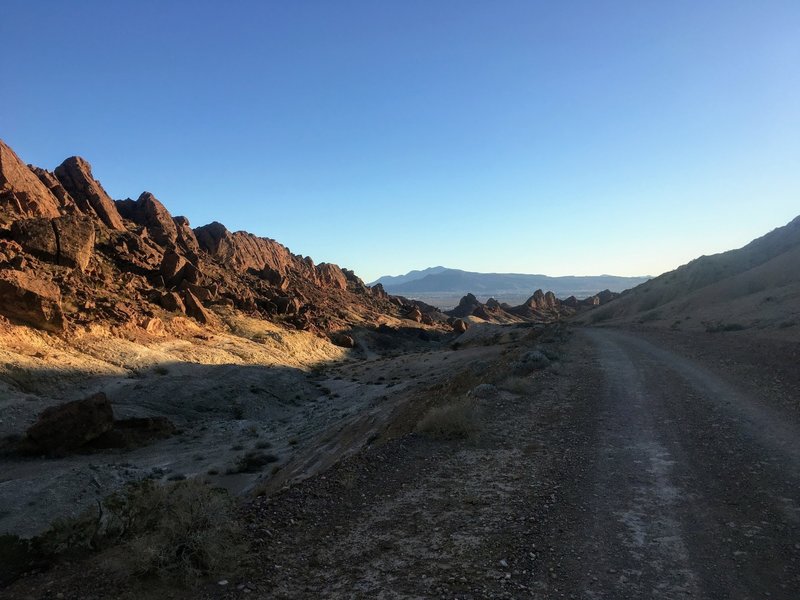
[(530, 361), (184, 530), (600, 315), (516, 385), (253, 462), (650, 316), (457, 420)]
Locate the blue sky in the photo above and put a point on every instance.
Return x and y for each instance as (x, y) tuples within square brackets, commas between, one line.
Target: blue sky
[(543, 137)]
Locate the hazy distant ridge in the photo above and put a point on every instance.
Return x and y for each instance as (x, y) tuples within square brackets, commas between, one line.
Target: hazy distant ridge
[(441, 280)]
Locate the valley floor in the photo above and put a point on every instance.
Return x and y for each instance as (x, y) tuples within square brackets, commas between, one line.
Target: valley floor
[(640, 465)]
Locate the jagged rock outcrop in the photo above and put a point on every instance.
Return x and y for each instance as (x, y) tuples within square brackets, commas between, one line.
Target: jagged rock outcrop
[(466, 306), (332, 276), (148, 212), (459, 325), (72, 425), (51, 182), (22, 194), (244, 251), (129, 262), (195, 308), (30, 300), (186, 238), (75, 174), (67, 241)]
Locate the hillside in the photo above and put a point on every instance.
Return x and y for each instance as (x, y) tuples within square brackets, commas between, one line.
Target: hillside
[(756, 286), (125, 331)]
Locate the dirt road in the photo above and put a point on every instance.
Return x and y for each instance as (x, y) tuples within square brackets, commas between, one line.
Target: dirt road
[(624, 471), (690, 487)]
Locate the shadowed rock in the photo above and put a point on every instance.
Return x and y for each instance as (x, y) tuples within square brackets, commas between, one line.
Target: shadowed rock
[(71, 425), (36, 302), (66, 241)]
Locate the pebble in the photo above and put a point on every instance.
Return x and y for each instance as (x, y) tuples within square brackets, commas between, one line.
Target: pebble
[(222, 582), (503, 563)]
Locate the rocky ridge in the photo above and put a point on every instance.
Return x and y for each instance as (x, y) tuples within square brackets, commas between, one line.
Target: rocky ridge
[(72, 256)]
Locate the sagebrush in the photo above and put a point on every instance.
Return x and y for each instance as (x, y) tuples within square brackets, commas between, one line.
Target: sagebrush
[(185, 530)]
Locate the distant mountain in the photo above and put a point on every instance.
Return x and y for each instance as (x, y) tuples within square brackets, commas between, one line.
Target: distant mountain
[(392, 280), (442, 281), (756, 286)]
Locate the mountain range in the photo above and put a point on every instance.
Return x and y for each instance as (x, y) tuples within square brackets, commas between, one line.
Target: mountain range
[(440, 283)]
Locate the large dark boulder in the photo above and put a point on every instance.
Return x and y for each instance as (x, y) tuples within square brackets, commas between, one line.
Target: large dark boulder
[(69, 426)]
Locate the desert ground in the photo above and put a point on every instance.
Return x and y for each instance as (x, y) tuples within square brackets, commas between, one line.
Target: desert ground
[(631, 463)]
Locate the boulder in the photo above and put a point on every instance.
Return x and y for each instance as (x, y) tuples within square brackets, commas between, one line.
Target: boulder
[(22, 194), (36, 302), (203, 294), (75, 174), (459, 325), (286, 305), (172, 267), (195, 308), (171, 301), (76, 238), (274, 278), (414, 314), (72, 425), (343, 340), (153, 326), (67, 241)]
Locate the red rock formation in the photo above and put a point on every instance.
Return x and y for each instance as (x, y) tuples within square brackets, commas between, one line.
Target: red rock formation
[(151, 214), (332, 276), (51, 182), (66, 241), (75, 174), (36, 302), (22, 194)]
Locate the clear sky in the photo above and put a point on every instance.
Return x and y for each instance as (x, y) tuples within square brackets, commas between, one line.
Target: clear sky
[(542, 137)]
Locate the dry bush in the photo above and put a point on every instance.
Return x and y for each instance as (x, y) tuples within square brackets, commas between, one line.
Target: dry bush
[(456, 420), (184, 530), (517, 385)]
